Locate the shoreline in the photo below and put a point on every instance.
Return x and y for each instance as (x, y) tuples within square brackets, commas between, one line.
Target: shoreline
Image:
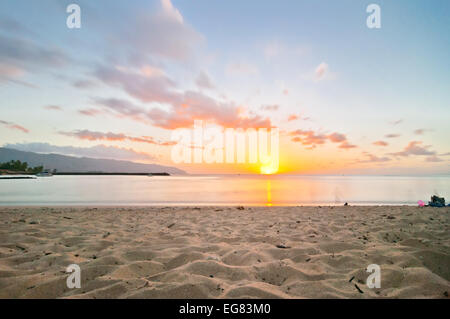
[(204, 205), (224, 252)]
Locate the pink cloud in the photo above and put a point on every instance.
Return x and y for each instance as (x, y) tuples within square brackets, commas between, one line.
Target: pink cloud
[(14, 126), (53, 108), (99, 136), (380, 143), (90, 112), (370, 158), (192, 106), (321, 71), (311, 138), (415, 148), (308, 138), (337, 137), (346, 145)]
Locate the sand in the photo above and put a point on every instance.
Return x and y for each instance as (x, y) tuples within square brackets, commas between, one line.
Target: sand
[(225, 252)]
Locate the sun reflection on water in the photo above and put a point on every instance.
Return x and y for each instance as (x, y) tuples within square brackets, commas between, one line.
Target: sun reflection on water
[(269, 194)]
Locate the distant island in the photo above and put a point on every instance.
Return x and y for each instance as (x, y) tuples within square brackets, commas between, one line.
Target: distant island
[(64, 165)]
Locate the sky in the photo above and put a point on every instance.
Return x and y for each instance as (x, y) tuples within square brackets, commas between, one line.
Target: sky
[(347, 99)]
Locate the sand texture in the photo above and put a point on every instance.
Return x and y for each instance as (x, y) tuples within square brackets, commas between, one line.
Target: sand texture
[(225, 252)]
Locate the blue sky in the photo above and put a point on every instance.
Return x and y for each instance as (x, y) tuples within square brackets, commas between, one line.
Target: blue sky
[(132, 66)]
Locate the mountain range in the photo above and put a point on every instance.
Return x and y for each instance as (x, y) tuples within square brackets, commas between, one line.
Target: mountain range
[(63, 163)]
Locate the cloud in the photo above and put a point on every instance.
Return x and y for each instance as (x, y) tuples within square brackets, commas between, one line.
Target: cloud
[(19, 55), (270, 107), (392, 135), (193, 106), (90, 112), (240, 68), (312, 139), (370, 158), (12, 26), (421, 131), (164, 34), (321, 71), (204, 81), (293, 117), (155, 88), (337, 137), (175, 108), (98, 151), (308, 138), (396, 122), (380, 143), (11, 74), (14, 126), (23, 53), (53, 107), (10, 71), (346, 145), (99, 136), (433, 159), (415, 148), (84, 84)]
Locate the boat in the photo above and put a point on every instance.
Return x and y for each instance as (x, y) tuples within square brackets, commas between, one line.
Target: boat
[(44, 174)]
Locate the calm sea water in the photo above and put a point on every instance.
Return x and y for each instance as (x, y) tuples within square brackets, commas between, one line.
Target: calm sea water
[(221, 190)]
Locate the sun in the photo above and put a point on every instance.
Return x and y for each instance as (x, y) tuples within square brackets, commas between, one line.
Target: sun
[(268, 169)]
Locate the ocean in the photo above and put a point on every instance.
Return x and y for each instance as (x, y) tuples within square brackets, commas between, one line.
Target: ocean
[(258, 190)]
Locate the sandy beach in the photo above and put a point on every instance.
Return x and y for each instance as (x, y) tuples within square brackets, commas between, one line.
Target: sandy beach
[(225, 252)]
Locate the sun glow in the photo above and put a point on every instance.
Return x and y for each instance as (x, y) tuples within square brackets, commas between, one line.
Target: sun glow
[(268, 169)]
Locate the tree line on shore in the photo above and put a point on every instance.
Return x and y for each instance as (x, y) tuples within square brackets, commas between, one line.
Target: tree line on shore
[(18, 166)]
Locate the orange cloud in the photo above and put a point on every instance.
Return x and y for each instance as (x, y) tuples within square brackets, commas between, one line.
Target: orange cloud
[(292, 117), (194, 106), (380, 143), (347, 145)]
